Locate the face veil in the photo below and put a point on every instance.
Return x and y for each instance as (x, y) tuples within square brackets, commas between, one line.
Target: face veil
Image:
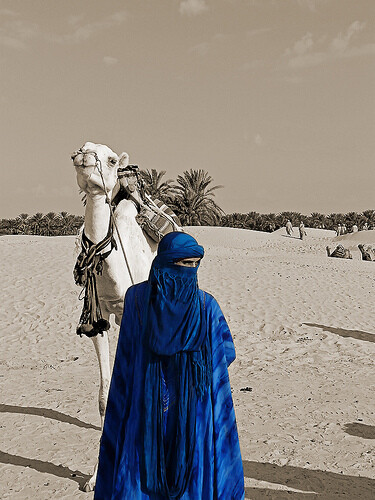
[(174, 321)]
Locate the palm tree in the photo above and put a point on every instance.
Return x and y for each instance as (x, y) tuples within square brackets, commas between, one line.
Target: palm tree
[(193, 201), (333, 220), (370, 216), (154, 185), (268, 223), (234, 220), (70, 224), (22, 223), (49, 223), (4, 226), (64, 224), (36, 223), (252, 220), (350, 219), (317, 220), (14, 225), (294, 217)]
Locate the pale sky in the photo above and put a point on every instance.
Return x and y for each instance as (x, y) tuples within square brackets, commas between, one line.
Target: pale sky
[(274, 98)]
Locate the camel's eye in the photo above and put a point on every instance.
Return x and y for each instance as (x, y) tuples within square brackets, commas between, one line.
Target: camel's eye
[(112, 161)]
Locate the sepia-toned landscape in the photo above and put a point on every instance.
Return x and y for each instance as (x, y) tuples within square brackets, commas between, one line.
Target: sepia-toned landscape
[(251, 123), (303, 327)]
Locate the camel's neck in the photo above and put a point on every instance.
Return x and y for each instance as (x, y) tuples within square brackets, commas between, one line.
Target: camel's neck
[(97, 217)]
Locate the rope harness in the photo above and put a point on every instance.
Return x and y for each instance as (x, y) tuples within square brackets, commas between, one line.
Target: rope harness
[(89, 264)]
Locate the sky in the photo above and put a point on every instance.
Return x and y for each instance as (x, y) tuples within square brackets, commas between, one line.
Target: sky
[(275, 99)]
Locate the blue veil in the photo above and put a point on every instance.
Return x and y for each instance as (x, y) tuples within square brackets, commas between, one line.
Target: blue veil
[(175, 339)]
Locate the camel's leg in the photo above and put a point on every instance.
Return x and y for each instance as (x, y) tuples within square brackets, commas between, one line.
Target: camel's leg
[(102, 351)]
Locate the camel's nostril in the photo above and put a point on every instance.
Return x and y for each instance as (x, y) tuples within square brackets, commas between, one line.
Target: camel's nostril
[(78, 160), (89, 160), (75, 153)]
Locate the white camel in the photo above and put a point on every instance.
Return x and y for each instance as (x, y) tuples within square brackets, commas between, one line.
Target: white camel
[(96, 164)]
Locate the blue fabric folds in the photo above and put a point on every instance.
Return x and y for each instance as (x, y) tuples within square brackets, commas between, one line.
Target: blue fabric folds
[(175, 328), (170, 429)]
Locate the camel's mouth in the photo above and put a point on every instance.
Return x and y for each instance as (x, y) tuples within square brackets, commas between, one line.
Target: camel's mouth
[(84, 158)]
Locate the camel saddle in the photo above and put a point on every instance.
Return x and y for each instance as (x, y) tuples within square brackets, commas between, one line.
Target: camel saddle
[(154, 217)]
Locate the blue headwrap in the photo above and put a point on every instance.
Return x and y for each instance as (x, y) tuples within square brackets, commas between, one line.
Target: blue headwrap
[(176, 340)]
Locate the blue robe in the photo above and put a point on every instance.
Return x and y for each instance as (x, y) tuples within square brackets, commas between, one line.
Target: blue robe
[(217, 472)]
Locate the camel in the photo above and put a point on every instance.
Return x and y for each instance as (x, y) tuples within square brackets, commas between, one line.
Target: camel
[(339, 252), (96, 167), (365, 253)]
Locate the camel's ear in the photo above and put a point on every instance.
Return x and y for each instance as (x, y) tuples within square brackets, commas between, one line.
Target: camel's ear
[(124, 160)]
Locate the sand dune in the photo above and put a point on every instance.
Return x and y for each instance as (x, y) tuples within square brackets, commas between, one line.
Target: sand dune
[(353, 239), (303, 381)]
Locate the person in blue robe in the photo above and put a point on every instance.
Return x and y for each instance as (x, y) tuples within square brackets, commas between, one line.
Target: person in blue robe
[(170, 428)]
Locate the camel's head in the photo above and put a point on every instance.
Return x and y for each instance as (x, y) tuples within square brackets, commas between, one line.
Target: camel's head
[(96, 164)]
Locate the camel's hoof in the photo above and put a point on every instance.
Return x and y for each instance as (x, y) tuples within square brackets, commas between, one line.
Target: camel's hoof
[(89, 486)]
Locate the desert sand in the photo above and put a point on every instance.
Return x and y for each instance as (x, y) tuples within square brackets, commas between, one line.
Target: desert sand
[(304, 330)]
